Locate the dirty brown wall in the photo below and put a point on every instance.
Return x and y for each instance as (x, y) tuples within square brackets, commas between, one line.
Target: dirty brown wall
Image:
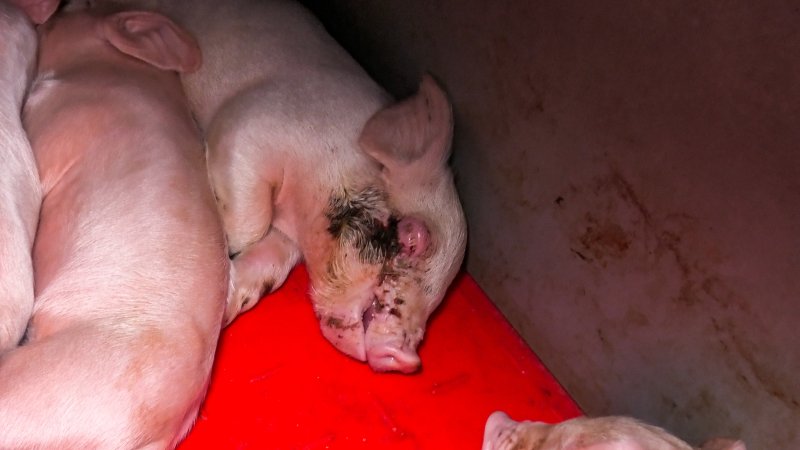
[(631, 176)]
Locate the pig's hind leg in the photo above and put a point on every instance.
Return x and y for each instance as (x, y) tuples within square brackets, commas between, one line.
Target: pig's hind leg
[(93, 386)]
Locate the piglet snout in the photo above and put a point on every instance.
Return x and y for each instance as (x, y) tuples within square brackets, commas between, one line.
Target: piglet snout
[(497, 425), (413, 236), (393, 359)]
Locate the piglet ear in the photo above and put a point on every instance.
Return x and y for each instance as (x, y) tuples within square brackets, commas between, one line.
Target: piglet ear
[(38, 10), (154, 39), (413, 135)]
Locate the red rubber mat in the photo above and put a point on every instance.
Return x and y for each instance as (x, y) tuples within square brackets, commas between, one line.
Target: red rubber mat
[(278, 384)]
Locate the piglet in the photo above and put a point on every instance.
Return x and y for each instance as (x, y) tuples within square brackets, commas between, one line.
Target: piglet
[(601, 433), (20, 195), (311, 160), (130, 261)]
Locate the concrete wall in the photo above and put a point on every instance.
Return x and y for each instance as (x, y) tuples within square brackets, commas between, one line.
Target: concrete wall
[(631, 175)]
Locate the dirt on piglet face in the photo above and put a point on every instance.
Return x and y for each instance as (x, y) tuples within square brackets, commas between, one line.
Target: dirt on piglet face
[(363, 285)]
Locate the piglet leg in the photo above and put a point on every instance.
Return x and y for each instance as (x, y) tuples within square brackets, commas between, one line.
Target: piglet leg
[(245, 196), (98, 404), (20, 195), (258, 270), (20, 198)]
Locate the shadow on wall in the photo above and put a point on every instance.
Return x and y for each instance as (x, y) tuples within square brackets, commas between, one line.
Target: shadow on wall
[(632, 182)]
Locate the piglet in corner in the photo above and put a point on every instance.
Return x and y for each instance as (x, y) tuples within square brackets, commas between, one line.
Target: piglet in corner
[(582, 433), (20, 195), (130, 261), (311, 159)]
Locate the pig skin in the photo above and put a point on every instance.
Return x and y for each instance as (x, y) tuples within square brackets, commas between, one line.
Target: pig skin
[(20, 194), (299, 135), (582, 433), (130, 261)]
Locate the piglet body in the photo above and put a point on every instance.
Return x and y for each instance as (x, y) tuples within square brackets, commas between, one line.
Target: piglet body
[(130, 262)]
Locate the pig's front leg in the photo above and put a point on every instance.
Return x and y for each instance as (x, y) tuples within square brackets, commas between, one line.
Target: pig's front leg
[(502, 433), (258, 270), (246, 181)]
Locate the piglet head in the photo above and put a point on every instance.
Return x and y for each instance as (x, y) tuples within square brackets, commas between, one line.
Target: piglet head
[(399, 239)]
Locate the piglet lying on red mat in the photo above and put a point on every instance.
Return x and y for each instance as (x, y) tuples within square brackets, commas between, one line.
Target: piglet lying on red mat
[(130, 262), (310, 158), (601, 433)]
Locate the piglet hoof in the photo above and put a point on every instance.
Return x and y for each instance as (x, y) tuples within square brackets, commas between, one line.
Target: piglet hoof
[(246, 290), (242, 299)]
